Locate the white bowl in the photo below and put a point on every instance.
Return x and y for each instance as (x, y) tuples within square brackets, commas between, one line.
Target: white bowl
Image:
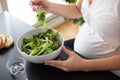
[(42, 58)]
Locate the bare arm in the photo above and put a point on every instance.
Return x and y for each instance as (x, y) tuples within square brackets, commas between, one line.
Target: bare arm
[(65, 10), (109, 63), (68, 11)]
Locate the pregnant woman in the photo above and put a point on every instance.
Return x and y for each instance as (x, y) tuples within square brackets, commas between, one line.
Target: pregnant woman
[(98, 39)]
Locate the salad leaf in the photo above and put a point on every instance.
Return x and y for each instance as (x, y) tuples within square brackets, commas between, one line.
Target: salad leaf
[(41, 18)]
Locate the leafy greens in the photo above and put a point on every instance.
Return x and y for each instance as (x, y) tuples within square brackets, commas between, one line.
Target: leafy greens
[(42, 43)]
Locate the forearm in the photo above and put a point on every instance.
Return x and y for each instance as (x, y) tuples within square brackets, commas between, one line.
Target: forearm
[(68, 11), (109, 63)]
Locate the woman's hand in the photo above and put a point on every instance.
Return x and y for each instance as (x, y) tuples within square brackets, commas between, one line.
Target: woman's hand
[(73, 63), (39, 4)]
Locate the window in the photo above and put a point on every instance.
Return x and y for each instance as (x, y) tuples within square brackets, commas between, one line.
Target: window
[(22, 10)]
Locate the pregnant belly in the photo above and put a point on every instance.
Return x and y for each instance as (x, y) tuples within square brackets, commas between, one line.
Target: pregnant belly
[(90, 44)]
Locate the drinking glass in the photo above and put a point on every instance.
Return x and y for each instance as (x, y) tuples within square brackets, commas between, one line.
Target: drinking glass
[(16, 68)]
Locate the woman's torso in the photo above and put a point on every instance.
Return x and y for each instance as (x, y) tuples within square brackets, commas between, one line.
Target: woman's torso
[(99, 36)]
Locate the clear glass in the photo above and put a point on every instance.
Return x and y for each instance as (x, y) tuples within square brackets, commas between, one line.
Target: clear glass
[(16, 68)]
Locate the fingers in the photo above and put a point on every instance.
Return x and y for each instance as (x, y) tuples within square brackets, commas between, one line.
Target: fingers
[(33, 8), (55, 63), (35, 5), (59, 63), (34, 2), (67, 51), (32, 5), (64, 65)]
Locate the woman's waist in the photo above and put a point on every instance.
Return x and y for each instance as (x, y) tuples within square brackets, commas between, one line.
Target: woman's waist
[(90, 44)]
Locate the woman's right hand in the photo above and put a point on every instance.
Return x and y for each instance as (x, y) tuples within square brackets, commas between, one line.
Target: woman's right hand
[(39, 4)]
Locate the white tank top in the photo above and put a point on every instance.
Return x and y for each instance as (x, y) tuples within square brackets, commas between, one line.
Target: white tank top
[(100, 35)]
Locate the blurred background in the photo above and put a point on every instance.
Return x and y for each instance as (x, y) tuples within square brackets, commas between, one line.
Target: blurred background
[(22, 10)]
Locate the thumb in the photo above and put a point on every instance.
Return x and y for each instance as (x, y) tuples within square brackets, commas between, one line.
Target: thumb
[(67, 51)]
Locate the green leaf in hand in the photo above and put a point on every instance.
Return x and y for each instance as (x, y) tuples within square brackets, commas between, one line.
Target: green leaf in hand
[(41, 17)]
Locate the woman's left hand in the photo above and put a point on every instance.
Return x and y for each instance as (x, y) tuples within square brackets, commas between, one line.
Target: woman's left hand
[(73, 63)]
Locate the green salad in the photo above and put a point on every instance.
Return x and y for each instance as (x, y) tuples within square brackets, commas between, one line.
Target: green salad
[(42, 43)]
